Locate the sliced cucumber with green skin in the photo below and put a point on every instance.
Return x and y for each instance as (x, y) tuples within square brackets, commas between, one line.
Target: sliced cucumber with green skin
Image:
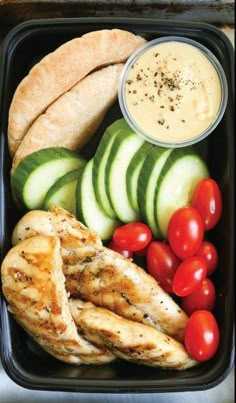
[(147, 188), (133, 172), (62, 193), (99, 164), (88, 209), (176, 184), (38, 172), (123, 149)]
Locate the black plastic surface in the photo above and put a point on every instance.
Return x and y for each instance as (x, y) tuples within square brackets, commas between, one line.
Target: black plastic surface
[(22, 359)]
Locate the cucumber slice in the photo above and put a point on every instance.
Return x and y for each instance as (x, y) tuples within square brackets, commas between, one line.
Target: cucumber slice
[(178, 179), (147, 189), (123, 149), (88, 209), (133, 172), (62, 193), (38, 172), (99, 164)]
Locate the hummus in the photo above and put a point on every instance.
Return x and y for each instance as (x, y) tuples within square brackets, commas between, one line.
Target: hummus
[(173, 92)]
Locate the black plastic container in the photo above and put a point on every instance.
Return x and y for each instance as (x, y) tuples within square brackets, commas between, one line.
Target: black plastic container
[(22, 359)]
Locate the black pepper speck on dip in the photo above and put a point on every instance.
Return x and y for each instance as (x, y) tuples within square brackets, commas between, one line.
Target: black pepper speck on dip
[(183, 92)]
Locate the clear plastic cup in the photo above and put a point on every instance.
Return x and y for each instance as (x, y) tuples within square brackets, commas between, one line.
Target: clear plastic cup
[(130, 119)]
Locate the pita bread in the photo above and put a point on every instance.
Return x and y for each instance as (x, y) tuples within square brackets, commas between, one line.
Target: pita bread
[(74, 117), (62, 69)]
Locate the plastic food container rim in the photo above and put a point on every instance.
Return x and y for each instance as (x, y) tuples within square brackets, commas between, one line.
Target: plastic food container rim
[(79, 385)]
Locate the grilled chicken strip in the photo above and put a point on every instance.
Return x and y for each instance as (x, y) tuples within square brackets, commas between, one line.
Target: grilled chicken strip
[(102, 276), (115, 283), (34, 286), (129, 340), (58, 222)]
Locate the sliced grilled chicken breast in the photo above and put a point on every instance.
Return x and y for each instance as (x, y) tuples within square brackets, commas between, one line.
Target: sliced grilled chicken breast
[(58, 222), (102, 276), (129, 340), (34, 286), (115, 283)]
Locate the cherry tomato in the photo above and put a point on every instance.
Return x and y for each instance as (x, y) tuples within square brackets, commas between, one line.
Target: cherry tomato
[(185, 232), (202, 298), (143, 252), (133, 236), (162, 264), (189, 276), (207, 200), (202, 335), (126, 253), (209, 252)]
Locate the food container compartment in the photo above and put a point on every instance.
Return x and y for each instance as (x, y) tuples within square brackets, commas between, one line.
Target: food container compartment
[(23, 360)]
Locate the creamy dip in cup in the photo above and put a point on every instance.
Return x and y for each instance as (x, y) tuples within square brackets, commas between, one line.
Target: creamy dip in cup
[(173, 91)]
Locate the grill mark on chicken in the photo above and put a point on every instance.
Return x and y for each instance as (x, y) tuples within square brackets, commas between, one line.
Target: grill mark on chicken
[(114, 282), (84, 274), (135, 294), (125, 298), (53, 345), (34, 286), (129, 340)]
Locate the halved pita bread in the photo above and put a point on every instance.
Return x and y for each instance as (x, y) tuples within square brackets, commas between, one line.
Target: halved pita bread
[(62, 69), (74, 117)]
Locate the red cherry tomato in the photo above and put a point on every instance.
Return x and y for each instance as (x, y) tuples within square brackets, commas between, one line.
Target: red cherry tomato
[(126, 253), (202, 298), (207, 200), (189, 276), (133, 236), (143, 252), (162, 264), (202, 335), (209, 252), (185, 232)]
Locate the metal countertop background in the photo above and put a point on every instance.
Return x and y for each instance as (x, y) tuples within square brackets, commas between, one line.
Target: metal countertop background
[(12, 393)]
